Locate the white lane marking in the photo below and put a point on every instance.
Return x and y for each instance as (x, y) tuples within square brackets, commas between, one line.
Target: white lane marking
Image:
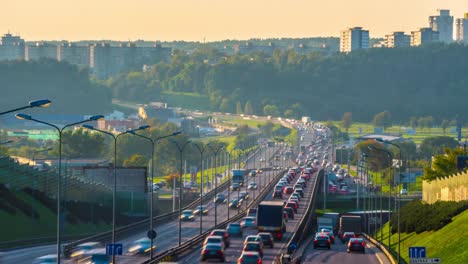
[(377, 255)]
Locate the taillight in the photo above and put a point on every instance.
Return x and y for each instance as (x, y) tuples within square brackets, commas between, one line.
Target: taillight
[(240, 260), (279, 235), (315, 241), (328, 241), (205, 251), (363, 244), (220, 252), (259, 261), (226, 235)]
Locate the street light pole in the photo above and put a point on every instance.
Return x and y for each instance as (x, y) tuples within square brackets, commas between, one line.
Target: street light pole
[(38, 103), (114, 191), (153, 145), (181, 150), (201, 150), (216, 151), (59, 178)]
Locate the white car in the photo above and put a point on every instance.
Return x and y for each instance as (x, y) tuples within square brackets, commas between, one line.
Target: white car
[(404, 192)]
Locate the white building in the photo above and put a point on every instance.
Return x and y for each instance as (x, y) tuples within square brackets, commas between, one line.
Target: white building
[(443, 23), (397, 40), (462, 29), (424, 36), (354, 39)]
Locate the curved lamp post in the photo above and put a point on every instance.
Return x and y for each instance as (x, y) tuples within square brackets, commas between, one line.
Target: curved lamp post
[(32, 104), (399, 192), (153, 144), (114, 192), (216, 151), (6, 142), (181, 150), (45, 103), (201, 150)]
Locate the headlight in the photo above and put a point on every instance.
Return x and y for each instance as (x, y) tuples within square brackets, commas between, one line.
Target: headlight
[(77, 253), (134, 248)]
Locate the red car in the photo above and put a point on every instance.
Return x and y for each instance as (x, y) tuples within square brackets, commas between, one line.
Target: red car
[(292, 205), (288, 190)]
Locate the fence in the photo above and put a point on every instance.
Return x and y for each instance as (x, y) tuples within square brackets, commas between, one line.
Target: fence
[(454, 188)]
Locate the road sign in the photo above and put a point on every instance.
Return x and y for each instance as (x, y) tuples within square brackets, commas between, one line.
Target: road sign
[(425, 260), (417, 252), (114, 249), (151, 234)]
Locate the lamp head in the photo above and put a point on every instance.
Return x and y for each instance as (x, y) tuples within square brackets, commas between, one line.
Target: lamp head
[(143, 127), (177, 133), (40, 103), (23, 117), (380, 140), (96, 117), (88, 127)]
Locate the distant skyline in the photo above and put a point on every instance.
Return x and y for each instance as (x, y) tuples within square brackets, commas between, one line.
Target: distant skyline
[(212, 20)]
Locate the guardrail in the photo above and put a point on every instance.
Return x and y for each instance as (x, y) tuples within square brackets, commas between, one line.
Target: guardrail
[(173, 253), (305, 227), (390, 255), (142, 225)]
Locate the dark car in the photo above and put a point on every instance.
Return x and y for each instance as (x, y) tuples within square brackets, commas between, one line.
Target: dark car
[(357, 244), (244, 195), (235, 203), (252, 186), (322, 240), (267, 239), (234, 229), (347, 236), (290, 212), (294, 200), (278, 194), (201, 209), (300, 191), (288, 190), (222, 233), (292, 205), (297, 186), (253, 246), (220, 198), (328, 232), (235, 186), (212, 251), (187, 215), (249, 257)]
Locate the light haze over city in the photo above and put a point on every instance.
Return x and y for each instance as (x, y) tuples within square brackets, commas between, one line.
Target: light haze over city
[(214, 19)]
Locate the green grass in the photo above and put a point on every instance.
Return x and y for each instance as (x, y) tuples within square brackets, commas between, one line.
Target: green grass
[(191, 101), (449, 243)]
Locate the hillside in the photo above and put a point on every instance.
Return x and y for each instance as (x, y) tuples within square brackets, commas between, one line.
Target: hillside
[(449, 243)]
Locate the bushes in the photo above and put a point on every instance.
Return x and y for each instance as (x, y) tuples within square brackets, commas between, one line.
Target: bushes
[(9, 199), (42, 197), (419, 217)]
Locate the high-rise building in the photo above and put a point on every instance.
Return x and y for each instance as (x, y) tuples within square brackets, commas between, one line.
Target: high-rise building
[(443, 23), (73, 54), (354, 39), (462, 29), (424, 36), (397, 40), (41, 51), (12, 47)]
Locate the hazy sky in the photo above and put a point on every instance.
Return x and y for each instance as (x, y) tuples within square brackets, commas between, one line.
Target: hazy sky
[(213, 19)]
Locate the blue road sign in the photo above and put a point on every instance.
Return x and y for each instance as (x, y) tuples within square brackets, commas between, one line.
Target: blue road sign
[(417, 252), (114, 249)]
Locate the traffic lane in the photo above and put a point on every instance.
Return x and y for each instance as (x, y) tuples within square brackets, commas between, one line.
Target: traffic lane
[(27, 255), (338, 254)]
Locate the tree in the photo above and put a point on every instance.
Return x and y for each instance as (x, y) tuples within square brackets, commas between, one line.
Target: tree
[(226, 106), (239, 108), (266, 129), (81, 143), (377, 159), (346, 120), (383, 119), (435, 145), (170, 180), (413, 122), (445, 124), (289, 113), (248, 110), (136, 160), (270, 110), (442, 165)]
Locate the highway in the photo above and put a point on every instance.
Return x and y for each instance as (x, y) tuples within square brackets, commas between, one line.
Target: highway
[(167, 233)]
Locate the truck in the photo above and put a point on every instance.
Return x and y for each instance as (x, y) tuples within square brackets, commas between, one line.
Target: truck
[(270, 218), (350, 223), (238, 177), (324, 222), (335, 217)]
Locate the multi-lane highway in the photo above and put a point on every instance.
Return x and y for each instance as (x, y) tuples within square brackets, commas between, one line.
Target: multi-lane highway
[(168, 233)]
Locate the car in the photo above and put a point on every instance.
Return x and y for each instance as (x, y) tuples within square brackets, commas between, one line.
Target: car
[(288, 190), (79, 251), (347, 236), (249, 222), (404, 192), (234, 229), (141, 246), (220, 198), (267, 239), (98, 256), (249, 257), (294, 200), (244, 195), (47, 259), (295, 195), (253, 173), (253, 238), (222, 233), (290, 212), (212, 251), (235, 203), (253, 246), (356, 244), (322, 240), (235, 186), (217, 240), (201, 209), (297, 186), (292, 205), (278, 194), (285, 216), (300, 191), (187, 215), (329, 233), (252, 212), (252, 186)]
